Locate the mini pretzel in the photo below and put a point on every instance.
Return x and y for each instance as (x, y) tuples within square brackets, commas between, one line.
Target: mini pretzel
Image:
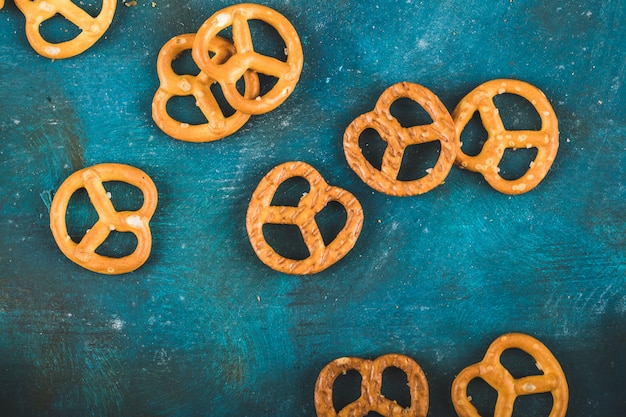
[(490, 369), (199, 86), (371, 398), (546, 140), (286, 72), (398, 138), (136, 222), (260, 212), (92, 28)]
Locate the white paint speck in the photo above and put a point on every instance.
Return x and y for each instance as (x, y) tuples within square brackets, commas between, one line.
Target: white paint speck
[(117, 324)]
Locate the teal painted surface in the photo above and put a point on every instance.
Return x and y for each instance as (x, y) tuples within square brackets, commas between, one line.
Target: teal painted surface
[(204, 328)]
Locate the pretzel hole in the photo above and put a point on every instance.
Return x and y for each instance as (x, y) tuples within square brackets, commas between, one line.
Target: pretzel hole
[(519, 363), (533, 405), (346, 389), (185, 110), (409, 113), (93, 8), (124, 196), (184, 64), (473, 136), (286, 240), (331, 220), (80, 215), (482, 396), (291, 191), (418, 160), (395, 386), (516, 162), (266, 40), (373, 147), (118, 245), (58, 29), (218, 94), (516, 112)]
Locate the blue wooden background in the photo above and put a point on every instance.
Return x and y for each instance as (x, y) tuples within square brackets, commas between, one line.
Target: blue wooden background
[(204, 328)]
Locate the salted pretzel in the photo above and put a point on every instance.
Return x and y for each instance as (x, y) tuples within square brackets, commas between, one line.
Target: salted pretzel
[(398, 138), (545, 140), (246, 58), (92, 28), (136, 222), (371, 398), (218, 125), (491, 370), (321, 256)]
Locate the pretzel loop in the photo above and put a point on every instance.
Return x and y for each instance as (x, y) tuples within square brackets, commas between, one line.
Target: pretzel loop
[(545, 140), (246, 59), (136, 222), (261, 212), (398, 138), (371, 398), (92, 28), (491, 370), (171, 84)]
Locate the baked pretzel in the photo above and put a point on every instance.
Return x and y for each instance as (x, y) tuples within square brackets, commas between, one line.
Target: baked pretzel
[(172, 84), (398, 138), (136, 222), (92, 28), (245, 59), (490, 369), (260, 212), (546, 140), (371, 398)]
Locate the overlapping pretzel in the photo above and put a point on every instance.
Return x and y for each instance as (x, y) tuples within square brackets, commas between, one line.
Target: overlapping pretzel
[(491, 370), (545, 140), (92, 28), (247, 59), (218, 125), (261, 211), (398, 138), (136, 222), (371, 398)]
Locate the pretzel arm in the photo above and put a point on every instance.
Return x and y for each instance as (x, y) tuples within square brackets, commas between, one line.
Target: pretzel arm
[(93, 239), (79, 17), (280, 215)]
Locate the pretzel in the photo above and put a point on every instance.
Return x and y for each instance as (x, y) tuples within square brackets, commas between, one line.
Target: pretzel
[(546, 140), (398, 138), (260, 212), (286, 72), (92, 28), (371, 398), (172, 84), (136, 222), (490, 369)]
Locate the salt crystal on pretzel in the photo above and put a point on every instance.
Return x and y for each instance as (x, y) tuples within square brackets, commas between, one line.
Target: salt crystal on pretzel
[(136, 222), (287, 73), (545, 140), (490, 369), (199, 86), (371, 398), (261, 212)]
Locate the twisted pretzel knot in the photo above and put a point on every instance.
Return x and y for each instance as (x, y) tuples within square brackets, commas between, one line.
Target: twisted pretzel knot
[(136, 222), (172, 84), (398, 138), (260, 212), (546, 140), (92, 28), (245, 58), (490, 369), (371, 398)]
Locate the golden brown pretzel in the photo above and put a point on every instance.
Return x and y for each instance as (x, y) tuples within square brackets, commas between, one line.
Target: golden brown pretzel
[(286, 72), (546, 140), (136, 222), (398, 138), (172, 84), (92, 28), (490, 369), (371, 398), (260, 212)]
